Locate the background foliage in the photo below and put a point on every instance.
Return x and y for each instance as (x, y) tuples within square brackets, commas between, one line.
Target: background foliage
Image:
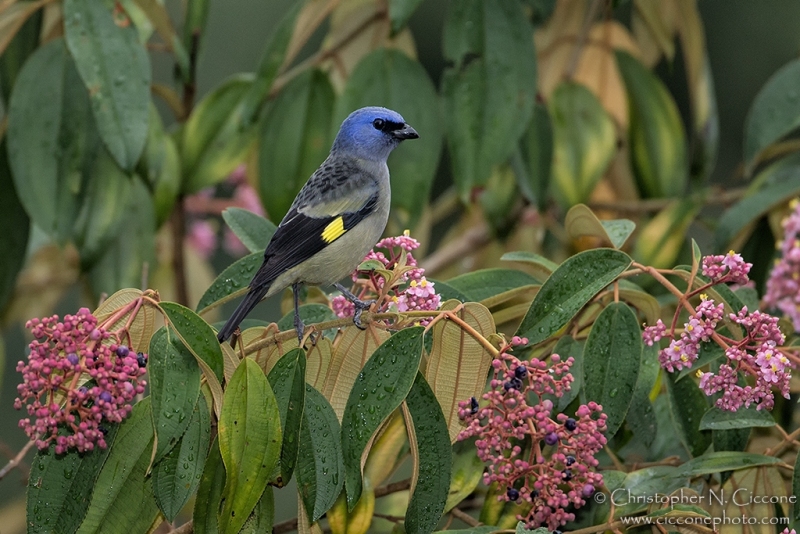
[(116, 126)]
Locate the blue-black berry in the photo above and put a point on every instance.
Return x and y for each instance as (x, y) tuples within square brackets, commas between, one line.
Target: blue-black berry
[(551, 438), (141, 359), (567, 475), (122, 351), (473, 405), (521, 372), (103, 430), (514, 383), (512, 494), (570, 424), (569, 460)]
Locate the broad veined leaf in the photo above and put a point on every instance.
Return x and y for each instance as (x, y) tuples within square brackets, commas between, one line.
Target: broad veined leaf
[(59, 487), (249, 442), (542, 267), (208, 502), (382, 79), (641, 417), (661, 238), (355, 521), (198, 337), (430, 449), (642, 483), (486, 283), (262, 517), (52, 139), (210, 129), (294, 139), (568, 347), (568, 290), (757, 483), (253, 230), (458, 364), (584, 142), (611, 361), (310, 314), (657, 137), (716, 419), (122, 500), (12, 243), (643, 301), (385, 450), (267, 356), (234, 279), (143, 324), (115, 68), (537, 155), (687, 405), (288, 381), (380, 388), (352, 350), (467, 473), (177, 475), (489, 93), (174, 389), (448, 292), (320, 467), (774, 113), (582, 222), (318, 358)]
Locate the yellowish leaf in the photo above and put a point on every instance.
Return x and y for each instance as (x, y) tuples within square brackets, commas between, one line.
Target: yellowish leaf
[(13, 17), (386, 447), (266, 357), (359, 519), (741, 489), (143, 325), (653, 25), (458, 364), (318, 359)]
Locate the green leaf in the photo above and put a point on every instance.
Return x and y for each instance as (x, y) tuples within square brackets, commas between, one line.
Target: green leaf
[(212, 143), (208, 502), (52, 140), (541, 266), (236, 277), (379, 389), (123, 259), (431, 480), (448, 292), (198, 336), (194, 26), (382, 78), (641, 417), (521, 529), (102, 211), (717, 462), (584, 140), (310, 314), (320, 466), (12, 243), (115, 68), (774, 113), (400, 11), (263, 516), (253, 230), (716, 419), (686, 404), (249, 442), (751, 208), (568, 347), (611, 362), (287, 379), (177, 475), (160, 164), (294, 139), (21, 46), (568, 290), (467, 473), (642, 484), (536, 157), (60, 486), (582, 222), (657, 137), (122, 500), (661, 239), (485, 283), (489, 93), (174, 388)]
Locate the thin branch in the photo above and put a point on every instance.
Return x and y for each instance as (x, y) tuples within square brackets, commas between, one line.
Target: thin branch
[(787, 442), (15, 461), (465, 517), (186, 528), (394, 487), (287, 526), (713, 197), (467, 243)]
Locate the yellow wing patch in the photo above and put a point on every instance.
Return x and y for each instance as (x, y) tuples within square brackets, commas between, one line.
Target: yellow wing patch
[(334, 230)]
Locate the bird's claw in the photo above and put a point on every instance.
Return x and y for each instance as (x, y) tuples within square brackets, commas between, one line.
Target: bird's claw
[(360, 306), (300, 328)]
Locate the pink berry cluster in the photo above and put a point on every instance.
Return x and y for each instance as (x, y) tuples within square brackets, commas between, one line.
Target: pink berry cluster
[(755, 355), (409, 291), (77, 380), (555, 473), (783, 285)]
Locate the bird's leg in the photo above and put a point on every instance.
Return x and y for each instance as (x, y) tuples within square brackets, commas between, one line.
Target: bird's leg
[(298, 322), (359, 304)]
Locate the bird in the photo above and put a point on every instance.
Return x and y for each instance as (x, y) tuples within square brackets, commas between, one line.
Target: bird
[(335, 219)]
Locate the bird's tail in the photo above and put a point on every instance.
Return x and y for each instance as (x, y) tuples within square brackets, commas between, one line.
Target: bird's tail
[(249, 302)]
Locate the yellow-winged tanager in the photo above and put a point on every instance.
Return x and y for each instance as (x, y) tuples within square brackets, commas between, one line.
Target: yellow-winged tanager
[(336, 218)]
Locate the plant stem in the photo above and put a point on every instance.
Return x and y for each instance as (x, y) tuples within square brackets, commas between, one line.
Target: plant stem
[(465, 517), (15, 461)]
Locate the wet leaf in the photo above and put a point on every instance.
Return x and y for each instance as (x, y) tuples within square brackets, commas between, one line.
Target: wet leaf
[(142, 326), (288, 381), (582, 222), (208, 502), (231, 282), (198, 336), (687, 403), (716, 419), (485, 283), (310, 314), (757, 482), (542, 267), (253, 230), (641, 417)]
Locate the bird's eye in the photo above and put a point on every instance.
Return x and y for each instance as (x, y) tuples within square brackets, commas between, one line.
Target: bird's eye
[(378, 124)]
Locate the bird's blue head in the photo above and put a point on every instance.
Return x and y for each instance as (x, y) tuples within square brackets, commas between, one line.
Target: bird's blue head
[(372, 133)]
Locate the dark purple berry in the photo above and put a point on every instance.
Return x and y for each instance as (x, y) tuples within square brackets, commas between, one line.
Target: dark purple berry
[(551, 438), (473, 405), (567, 475), (141, 359), (512, 494), (521, 372), (103, 430), (588, 490), (514, 383), (122, 351), (72, 358), (83, 390), (570, 424), (569, 460), (534, 494), (106, 396)]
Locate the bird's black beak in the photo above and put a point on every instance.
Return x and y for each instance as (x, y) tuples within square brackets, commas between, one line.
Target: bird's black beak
[(406, 132)]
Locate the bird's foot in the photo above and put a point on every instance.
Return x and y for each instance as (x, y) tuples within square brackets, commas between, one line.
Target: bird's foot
[(360, 306), (300, 328)]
